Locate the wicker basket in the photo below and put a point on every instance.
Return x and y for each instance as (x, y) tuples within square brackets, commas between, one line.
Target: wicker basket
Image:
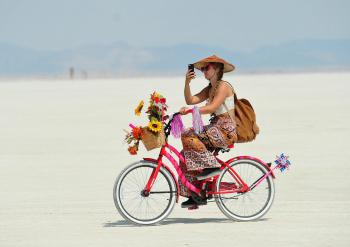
[(152, 140)]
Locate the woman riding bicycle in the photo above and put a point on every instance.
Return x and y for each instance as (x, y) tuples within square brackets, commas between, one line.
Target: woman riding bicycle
[(146, 191), (221, 131)]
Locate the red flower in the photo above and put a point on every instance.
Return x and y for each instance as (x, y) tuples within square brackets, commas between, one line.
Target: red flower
[(163, 100), (156, 99), (136, 132), (132, 150), (152, 96)]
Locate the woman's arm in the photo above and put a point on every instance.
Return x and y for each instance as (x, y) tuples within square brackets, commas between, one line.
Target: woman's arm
[(195, 99), (199, 97), (219, 98)]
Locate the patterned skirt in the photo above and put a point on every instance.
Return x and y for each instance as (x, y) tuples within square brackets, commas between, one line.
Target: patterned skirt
[(198, 148)]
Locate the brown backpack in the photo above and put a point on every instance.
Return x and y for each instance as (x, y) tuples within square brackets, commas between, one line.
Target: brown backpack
[(245, 119)]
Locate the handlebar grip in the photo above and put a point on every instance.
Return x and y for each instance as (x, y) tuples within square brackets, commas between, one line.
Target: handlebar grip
[(188, 111)]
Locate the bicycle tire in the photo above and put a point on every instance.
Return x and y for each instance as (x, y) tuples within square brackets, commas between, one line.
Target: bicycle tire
[(269, 187), (164, 178)]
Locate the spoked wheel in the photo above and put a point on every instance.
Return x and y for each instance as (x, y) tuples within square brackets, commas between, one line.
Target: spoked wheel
[(247, 206), (137, 206)]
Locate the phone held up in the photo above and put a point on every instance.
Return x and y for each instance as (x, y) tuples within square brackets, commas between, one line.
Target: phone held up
[(191, 67)]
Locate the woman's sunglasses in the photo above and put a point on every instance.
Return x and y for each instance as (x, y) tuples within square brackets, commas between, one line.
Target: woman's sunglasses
[(205, 68)]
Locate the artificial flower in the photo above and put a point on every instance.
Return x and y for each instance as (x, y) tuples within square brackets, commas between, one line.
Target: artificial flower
[(133, 150), (155, 125), (152, 96), (155, 95), (139, 108), (156, 112), (136, 133)]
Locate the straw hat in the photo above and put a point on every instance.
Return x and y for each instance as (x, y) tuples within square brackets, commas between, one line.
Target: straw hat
[(214, 59)]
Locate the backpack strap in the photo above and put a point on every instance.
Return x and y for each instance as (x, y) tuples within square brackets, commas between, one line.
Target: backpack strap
[(229, 111), (234, 93)]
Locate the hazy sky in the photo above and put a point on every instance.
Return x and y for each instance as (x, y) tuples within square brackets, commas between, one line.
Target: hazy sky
[(235, 25)]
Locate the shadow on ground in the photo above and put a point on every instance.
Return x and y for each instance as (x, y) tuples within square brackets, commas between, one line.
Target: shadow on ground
[(172, 221)]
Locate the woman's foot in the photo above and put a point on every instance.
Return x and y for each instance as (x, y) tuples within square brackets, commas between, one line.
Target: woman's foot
[(208, 172), (192, 203), (189, 203)]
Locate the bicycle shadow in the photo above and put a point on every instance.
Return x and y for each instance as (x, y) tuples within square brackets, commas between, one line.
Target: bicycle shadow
[(172, 221)]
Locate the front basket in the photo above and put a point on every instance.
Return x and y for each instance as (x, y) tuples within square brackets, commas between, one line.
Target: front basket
[(152, 140)]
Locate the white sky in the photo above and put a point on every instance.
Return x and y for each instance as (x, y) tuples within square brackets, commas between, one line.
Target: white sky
[(235, 25)]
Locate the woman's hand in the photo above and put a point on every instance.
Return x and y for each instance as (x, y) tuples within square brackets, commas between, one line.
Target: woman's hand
[(183, 110), (189, 76)]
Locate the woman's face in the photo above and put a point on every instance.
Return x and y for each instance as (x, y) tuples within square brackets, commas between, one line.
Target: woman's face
[(209, 71)]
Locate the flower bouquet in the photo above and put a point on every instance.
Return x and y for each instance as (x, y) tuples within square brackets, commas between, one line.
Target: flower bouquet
[(152, 136)]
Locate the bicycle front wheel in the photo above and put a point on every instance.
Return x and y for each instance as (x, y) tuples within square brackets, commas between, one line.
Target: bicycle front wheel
[(250, 205), (131, 201)]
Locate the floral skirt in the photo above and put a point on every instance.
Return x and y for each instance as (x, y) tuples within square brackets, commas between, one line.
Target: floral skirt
[(198, 148)]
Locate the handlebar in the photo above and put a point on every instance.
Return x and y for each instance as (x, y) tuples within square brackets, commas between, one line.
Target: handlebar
[(188, 111), (167, 126), (177, 113)]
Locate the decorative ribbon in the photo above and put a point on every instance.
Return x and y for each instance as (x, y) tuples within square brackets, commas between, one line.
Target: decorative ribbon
[(197, 121), (177, 126)]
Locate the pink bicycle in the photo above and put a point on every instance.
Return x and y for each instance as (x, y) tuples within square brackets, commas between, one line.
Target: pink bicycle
[(145, 192)]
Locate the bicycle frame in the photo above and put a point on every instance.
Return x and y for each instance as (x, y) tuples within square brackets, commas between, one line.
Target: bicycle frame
[(243, 187)]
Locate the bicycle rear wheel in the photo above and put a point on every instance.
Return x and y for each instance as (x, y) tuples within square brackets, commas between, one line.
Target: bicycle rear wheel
[(133, 204), (251, 205)]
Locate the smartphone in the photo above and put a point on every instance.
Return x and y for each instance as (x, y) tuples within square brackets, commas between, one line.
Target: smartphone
[(191, 67)]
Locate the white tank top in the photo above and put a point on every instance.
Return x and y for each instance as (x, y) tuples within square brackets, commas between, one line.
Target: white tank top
[(229, 101)]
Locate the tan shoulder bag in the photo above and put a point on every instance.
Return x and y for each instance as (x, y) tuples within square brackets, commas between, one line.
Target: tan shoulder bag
[(245, 119)]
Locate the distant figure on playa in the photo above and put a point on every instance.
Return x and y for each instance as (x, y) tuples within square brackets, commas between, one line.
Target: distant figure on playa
[(71, 73), (220, 133)]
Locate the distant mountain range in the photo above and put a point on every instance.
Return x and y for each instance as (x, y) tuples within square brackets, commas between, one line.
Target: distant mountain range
[(120, 59)]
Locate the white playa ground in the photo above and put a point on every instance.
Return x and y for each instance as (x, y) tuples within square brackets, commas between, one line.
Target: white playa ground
[(61, 148)]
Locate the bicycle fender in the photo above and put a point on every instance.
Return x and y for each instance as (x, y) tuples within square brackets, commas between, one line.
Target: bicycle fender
[(172, 174), (254, 159)]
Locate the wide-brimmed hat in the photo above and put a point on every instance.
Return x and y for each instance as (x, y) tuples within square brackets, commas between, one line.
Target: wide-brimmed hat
[(214, 59)]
